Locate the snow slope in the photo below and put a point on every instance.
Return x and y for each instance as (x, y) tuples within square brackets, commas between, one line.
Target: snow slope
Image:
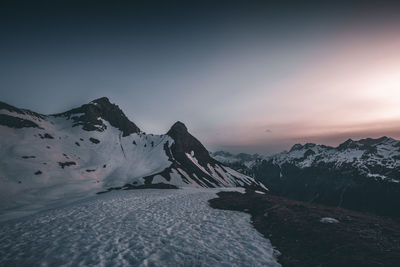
[(47, 160), (114, 161), (136, 228)]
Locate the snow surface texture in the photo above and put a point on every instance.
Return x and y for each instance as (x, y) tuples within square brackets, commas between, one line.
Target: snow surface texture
[(136, 228)]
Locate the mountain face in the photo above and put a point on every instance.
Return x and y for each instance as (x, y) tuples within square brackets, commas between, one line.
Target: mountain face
[(361, 175), (91, 116), (85, 150), (193, 163)]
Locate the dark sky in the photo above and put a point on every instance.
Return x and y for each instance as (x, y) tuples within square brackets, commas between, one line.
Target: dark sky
[(242, 75)]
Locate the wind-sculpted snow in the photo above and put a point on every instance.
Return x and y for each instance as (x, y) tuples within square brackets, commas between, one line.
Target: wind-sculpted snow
[(136, 228)]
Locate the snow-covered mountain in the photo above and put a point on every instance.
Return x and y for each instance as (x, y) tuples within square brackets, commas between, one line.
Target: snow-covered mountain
[(241, 162), (242, 158), (45, 158), (375, 158), (362, 175)]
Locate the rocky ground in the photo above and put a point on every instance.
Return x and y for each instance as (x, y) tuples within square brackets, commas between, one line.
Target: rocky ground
[(298, 230)]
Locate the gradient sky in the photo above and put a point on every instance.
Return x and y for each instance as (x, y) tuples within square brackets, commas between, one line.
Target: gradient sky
[(244, 77)]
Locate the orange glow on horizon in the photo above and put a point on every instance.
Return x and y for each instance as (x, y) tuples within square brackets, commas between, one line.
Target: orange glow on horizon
[(351, 88)]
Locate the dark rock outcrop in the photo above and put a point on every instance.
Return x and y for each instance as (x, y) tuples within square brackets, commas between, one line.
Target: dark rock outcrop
[(89, 117), (15, 122), (46, 136), (184, 142), (66, 164), (94, 140), (144, 186)]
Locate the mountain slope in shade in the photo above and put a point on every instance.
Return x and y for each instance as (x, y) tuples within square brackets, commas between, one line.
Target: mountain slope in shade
[(49, 158), (191, 160), (361, 175)]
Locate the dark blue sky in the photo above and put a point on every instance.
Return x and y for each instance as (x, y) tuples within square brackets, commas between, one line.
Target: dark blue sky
[(230, 70)]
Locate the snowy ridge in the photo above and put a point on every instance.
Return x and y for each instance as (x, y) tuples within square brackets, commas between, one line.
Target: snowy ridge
[(245, 159), (375, 158), (372, 157), (46, 159)]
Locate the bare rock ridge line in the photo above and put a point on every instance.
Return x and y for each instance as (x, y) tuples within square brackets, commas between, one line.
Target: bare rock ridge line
[(101, 108)]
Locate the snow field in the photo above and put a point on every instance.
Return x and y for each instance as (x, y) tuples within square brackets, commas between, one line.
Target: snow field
[(136, 228)]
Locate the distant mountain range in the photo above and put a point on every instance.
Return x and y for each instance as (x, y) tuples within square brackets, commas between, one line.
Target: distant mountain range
[(45, 158), (362, 175)]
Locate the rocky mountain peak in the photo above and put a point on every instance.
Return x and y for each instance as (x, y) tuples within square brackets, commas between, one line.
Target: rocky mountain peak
[(178, 128), (348, 144), (102, 102), (184, 142), (90, 115), (296, 147)]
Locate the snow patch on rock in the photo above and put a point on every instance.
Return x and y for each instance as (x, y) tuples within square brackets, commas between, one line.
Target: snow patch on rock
[(328, 220)]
